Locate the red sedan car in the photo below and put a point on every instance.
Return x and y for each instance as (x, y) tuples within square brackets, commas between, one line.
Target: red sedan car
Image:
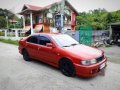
[(63, 52)]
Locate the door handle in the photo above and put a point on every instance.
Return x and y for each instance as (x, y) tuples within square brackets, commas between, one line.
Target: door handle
[(39, 48), (26, 45)]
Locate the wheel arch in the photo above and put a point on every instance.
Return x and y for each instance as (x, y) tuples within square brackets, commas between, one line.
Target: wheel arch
[(68, 59), (65, 58), (23, 50)]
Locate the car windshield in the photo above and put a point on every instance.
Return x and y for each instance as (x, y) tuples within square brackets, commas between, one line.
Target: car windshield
[(64, 40)]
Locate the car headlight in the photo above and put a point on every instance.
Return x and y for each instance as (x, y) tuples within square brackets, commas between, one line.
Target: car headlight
[(88, 62), (93, 61)]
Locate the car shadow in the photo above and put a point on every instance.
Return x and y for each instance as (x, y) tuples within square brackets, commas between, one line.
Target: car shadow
[(37, 62), (42, 64)]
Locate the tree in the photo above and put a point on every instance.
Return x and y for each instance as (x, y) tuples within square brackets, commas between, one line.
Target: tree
[(7, 15), (3, 22), (98, 18)]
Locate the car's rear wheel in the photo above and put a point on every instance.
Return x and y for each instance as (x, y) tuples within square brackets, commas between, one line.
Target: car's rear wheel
[(67, 67), (26, 55)]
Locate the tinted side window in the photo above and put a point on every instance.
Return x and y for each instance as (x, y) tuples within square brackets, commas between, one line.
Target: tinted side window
[(33, 39), (43, 40)]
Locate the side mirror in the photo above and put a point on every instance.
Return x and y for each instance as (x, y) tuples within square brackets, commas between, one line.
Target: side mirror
[(50, 45)]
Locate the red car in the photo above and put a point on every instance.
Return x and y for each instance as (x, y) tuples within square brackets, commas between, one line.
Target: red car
[(63, 52)]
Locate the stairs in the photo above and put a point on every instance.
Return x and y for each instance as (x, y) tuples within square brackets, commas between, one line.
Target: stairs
[(46, 28)]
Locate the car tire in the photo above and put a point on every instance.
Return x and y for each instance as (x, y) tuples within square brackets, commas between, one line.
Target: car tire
[(67, 68), (119, 45), (26, 55)]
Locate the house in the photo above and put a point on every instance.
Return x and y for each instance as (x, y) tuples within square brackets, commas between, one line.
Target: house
[(43, 19)]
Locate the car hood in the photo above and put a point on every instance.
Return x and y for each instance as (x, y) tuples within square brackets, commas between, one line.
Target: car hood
[(83, 52)]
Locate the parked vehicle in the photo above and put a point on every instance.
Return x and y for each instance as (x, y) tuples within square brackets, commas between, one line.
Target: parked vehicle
[(63, 52), (118, 43)]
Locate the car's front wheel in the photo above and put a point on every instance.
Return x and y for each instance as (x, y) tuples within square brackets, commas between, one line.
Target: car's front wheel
[(67, 68), (26, 55)]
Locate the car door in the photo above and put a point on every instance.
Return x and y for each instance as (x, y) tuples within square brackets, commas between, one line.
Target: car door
[(32, 46), (48, 54)]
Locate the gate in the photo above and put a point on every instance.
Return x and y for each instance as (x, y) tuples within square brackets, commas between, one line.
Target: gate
[(85, 35)]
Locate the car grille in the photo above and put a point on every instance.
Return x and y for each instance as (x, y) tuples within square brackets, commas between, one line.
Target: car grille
[(99, 59)]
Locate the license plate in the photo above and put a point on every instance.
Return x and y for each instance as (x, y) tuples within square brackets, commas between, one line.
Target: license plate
[(102, 66)]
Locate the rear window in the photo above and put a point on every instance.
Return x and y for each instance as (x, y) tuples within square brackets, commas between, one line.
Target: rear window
[(33, 39)]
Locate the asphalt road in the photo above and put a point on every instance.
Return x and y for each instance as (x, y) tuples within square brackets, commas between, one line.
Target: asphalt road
[(17, 74)]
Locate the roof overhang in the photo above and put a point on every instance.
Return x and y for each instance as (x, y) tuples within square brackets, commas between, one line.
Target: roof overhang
[(27, 11), (67, 3), (117, 23), (28, 8)]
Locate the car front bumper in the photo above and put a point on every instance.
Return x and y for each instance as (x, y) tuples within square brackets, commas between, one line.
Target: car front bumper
[(92, 70)]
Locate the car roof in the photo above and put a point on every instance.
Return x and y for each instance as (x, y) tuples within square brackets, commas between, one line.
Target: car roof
[(47, 34)]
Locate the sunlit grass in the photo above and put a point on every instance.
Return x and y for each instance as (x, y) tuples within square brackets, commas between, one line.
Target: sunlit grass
[(9, 41)]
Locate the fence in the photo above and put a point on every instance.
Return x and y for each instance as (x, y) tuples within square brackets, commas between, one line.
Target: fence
[(82, 37), (96, 36), (13, 34)]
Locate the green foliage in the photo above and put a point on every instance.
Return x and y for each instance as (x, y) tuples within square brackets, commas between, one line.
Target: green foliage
[(3, 22), (1, 33), (8, 15), (11, 26), (113, 16), (77, 27), (98, 18), (20, 23), (5, 12), (15, 26), (9, 41)]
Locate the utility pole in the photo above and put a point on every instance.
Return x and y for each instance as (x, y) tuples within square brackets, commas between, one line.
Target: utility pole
[(7, 21), (31, 22), (23, 17), (110, 29)]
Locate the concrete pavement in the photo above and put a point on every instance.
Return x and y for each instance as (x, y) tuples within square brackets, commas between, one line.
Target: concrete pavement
[(17, 74), (112, 53)]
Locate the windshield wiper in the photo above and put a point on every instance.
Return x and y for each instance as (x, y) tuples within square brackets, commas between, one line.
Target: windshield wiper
[(71, 45), (66, 46), (74, 44)]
